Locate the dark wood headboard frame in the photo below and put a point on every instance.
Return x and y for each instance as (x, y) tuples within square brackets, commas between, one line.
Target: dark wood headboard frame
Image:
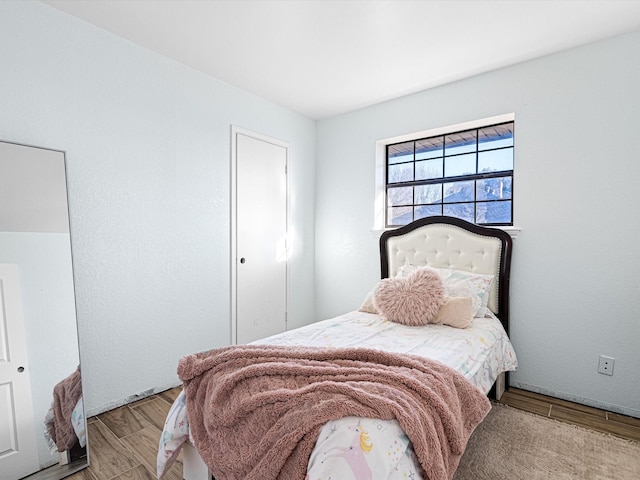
[(505, 254)]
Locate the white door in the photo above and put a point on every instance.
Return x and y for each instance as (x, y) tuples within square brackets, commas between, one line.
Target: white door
[(18, 450), (260, 256)]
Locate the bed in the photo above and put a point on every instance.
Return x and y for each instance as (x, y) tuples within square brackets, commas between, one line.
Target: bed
[(471, 261)]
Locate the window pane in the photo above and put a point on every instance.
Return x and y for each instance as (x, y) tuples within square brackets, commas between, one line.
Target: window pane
[(402, 152), (460, 210), (400, 173), (399, 215), (429, 148), (429, 169), (494, 212), (426, 194), (495, 137), (428, 211), (424, 176), (462, 142), (495, 160), (400, 196), (494, 188), (458, 192), (460, 165)]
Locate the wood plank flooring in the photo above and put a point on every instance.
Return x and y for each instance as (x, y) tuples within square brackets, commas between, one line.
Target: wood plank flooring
[(593, 418), (123, 443)]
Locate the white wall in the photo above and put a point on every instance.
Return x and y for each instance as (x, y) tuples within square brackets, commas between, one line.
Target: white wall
[(147, 143), (575, 290)]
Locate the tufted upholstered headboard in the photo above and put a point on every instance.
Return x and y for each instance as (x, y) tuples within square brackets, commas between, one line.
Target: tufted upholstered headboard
[(447, 242)]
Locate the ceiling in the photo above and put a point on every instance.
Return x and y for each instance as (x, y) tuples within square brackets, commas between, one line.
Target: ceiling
[(323, 58)]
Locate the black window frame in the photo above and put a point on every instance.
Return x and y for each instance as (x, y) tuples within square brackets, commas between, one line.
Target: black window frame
[(442, 180)]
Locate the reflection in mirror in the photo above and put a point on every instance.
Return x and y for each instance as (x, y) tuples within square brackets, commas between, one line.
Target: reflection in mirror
[(42, 421)]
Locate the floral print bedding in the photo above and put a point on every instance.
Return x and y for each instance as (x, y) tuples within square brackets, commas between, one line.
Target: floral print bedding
[(77, 422), (352, 448), (359, 448)]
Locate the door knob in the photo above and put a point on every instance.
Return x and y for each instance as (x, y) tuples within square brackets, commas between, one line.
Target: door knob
[(242, 260), (20, 369)]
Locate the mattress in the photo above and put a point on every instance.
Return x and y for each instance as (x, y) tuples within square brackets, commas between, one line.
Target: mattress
[(480, 352)]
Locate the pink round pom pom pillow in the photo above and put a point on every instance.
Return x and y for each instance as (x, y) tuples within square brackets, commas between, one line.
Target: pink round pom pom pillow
[(414, 300)]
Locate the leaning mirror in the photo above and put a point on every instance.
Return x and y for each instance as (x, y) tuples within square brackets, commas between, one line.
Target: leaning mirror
[(42, 421)]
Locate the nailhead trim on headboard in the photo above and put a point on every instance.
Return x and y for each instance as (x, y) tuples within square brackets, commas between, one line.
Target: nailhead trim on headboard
[(447, 242)]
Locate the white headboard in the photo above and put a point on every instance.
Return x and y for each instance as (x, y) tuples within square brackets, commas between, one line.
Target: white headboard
[(447, 242)]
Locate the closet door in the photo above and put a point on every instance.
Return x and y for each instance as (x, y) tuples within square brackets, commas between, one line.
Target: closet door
[(18, 451), (261, 232)]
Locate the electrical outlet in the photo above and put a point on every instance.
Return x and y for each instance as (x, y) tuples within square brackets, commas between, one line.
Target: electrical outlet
[(605, 365)]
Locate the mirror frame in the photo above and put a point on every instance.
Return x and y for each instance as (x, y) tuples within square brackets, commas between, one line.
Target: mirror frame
[(77, 458)]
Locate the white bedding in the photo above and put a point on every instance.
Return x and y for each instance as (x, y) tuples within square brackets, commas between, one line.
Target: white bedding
[(481, 353)]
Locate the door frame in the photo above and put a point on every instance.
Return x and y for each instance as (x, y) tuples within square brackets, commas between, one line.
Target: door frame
[(235, 131)]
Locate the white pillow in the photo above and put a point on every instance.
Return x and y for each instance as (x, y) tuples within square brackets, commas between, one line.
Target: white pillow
[(407, 269), (460, 283), (367, 305)]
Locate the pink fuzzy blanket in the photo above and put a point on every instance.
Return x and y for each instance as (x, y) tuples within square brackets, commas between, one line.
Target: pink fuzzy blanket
[(66, 395), (255, 411)]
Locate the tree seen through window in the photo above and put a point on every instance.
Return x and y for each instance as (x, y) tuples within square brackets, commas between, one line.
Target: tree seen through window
[(466, 174)]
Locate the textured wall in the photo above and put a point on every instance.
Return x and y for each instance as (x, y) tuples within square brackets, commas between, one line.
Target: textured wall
[(147, 143), (575, 288)]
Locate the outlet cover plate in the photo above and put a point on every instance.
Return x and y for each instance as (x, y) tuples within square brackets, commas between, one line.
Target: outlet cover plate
[(605, 365)]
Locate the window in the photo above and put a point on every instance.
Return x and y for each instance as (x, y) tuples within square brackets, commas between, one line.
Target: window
[(466, 174)]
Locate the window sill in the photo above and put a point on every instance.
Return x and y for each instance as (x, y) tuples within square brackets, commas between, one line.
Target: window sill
[(511, 230)]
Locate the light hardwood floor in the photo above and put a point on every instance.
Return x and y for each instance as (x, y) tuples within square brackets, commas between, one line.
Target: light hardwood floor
[(593, 418), (123, 443)]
